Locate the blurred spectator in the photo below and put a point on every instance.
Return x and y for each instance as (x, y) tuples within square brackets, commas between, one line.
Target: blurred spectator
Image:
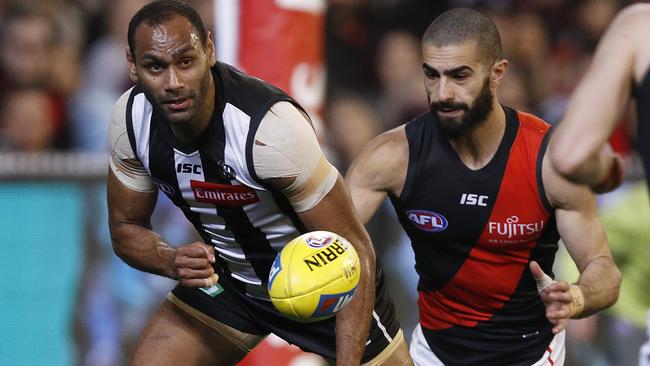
[(28, 120), (401, 93), (513, 91), (349, 44), (106, 77), (592, 18), (31, 57), (351, 122), (26, 48)]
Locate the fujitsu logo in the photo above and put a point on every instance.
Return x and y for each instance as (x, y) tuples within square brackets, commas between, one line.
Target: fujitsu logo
[(512, 228), (223, 194)]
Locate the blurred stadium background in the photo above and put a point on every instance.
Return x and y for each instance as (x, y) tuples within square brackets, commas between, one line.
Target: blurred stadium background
[(66, 299)]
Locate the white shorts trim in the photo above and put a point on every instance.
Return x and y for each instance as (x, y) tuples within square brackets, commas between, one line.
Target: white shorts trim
[(555, 352), (423, 355)]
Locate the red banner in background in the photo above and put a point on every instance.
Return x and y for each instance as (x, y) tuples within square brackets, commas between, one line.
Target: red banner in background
[(282, 42)]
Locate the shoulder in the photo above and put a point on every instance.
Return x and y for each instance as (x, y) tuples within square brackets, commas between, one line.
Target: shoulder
[(118, 115), (533, 123), (285, 122), (246, 92), (391, 146), (121, 103), (383, 162)]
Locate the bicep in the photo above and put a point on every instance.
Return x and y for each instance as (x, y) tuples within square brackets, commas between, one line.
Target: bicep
[(577, 218), (127, 206)]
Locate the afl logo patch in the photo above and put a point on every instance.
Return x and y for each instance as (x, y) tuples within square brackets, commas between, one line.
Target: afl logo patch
[(427, 220)]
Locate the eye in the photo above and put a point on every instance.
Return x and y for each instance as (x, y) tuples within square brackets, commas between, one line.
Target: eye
[(460, 76), (154, 68), (430, 74), (186, 62)]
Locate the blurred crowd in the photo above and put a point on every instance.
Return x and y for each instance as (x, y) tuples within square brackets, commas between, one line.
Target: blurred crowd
[(62, 66)]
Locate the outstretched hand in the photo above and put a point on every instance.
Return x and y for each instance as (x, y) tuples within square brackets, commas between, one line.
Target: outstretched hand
[(193, 264), (556, 297)]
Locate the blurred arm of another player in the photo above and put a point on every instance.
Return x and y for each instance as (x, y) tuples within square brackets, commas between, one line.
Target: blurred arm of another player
[(584, 237), (286, 155), (132, 197), (579, 149), (380, 169)]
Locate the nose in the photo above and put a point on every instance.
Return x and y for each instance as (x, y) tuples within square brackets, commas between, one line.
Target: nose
[(445, 89), (173, 80)]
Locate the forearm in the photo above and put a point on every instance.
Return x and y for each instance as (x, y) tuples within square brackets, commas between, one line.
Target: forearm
[(353, 322), (590, 170), (599, 283), (143, 249)]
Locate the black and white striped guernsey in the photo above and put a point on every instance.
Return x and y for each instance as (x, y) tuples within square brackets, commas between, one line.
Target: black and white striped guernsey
[(214, 181)]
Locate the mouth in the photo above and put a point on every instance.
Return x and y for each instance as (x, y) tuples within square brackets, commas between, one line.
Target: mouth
[(449, 112), (178, 104)]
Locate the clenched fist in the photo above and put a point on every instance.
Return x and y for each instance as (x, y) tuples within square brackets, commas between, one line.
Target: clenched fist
[(193, 264)]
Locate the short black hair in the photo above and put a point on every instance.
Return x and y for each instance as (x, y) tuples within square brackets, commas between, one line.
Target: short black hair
[(160, 11), (459, 25)]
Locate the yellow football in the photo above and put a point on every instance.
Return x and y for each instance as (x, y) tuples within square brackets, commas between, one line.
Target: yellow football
[(314, 276)]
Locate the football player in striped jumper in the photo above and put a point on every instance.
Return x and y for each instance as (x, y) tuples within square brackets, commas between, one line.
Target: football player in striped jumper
[(240, 158)]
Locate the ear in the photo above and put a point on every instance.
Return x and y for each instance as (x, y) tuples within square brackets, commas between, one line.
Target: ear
[(130, 59), (210, 50), (498, 72)]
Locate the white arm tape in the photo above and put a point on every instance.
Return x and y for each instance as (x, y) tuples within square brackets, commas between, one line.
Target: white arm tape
[(286, 147), (123, 162)]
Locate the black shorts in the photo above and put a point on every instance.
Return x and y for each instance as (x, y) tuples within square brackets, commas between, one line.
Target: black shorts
[(259, 317)]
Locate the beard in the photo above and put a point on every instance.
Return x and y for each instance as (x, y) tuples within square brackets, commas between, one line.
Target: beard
[(472, 116)]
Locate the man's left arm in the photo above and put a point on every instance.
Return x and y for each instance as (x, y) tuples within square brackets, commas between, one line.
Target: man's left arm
[(585, 239), (287, 156), (336, 213)]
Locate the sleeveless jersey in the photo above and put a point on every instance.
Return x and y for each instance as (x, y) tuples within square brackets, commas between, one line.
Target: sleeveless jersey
[(642, 95), (214, 182), (474, 233)]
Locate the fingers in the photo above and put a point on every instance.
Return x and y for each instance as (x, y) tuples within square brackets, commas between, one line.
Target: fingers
[(560, 326), (197, 250), (212, 280), (543, 280), (194, 265), (209, 251), (555, 294)]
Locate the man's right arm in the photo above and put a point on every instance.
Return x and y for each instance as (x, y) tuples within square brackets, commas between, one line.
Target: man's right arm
[(579, 148), (379, 169), (131, 200), (129, 224)]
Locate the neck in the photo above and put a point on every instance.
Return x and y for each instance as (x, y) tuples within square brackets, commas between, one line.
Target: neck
[(189, 132), (478, 147)]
